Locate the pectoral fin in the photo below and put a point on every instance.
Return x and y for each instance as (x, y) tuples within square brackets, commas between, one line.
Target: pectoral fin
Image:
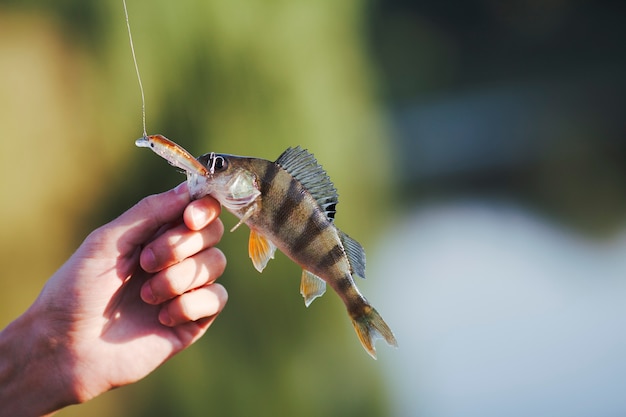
[(311, 287), (245, 217), (260, 250)]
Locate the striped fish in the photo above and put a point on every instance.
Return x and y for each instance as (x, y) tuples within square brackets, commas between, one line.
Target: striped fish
[(290, 204)]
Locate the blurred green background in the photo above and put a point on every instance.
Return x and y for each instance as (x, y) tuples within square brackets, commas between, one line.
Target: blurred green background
[(402, 102), (240, 77)]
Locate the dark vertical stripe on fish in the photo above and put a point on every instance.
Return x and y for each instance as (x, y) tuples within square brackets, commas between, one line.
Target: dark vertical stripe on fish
[(314, 227), (290, 202), (271, 170), (331, 258), (344, 284)]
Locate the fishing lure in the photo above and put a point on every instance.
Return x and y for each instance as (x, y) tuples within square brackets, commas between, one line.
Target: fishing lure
[(174, 154), (289, 204)]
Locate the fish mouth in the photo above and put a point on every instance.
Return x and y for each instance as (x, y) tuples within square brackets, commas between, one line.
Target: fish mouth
[(199, 185), (205, 160)]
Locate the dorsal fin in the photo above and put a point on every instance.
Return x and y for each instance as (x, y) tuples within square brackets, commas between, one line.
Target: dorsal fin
[(304, 167), (355, 252)]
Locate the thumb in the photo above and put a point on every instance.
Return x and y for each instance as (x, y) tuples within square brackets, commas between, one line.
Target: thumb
[(139, 223)]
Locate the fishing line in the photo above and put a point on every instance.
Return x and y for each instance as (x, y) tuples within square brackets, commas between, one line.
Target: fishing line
[(132, 50)]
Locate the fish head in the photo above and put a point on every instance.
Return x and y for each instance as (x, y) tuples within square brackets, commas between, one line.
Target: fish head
[(229, 181)]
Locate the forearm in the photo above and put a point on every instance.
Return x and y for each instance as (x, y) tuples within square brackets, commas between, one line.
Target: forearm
[(31, 384)]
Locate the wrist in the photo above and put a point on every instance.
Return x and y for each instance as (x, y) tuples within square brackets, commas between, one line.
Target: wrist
[(32, 382)]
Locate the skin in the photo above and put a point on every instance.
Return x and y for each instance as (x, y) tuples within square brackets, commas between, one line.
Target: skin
[(136, 292)]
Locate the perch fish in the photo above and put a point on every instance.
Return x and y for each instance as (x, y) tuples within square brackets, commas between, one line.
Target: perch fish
[(288, 204)]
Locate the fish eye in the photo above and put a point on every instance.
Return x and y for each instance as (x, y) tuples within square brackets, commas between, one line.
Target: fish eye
[(218, 163)]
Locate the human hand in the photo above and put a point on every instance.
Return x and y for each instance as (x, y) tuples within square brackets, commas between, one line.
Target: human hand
[(137, 291)]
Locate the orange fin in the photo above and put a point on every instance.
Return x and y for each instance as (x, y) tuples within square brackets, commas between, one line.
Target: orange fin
[(371, 326), (260, 250), (311, 287)]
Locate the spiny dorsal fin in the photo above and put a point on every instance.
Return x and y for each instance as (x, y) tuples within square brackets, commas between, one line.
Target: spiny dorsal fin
[(304, 167), (355, 252)]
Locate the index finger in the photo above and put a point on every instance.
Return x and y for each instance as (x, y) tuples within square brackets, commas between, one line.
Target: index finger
[(199, 213)]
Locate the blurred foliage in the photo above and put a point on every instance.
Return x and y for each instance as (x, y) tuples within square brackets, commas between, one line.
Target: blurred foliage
[(521, 100), (238, 77)]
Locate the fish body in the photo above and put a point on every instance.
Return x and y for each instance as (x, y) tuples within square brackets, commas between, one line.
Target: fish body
[(290, 205)]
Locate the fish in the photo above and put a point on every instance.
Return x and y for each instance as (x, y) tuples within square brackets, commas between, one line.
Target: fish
[(290, 205)]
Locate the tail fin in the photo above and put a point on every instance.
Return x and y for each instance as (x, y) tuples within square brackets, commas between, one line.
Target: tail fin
[(370, 326)]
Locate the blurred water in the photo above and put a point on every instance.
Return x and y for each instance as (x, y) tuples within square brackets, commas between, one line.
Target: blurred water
[(498, 312)]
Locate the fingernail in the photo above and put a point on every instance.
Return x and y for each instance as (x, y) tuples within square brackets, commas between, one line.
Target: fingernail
[(148, 260), (181, 188), (199, 215), (165, 318), (147, 295)]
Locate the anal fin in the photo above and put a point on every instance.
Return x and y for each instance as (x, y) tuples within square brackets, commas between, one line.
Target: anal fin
[(311, 287), (260, 250)]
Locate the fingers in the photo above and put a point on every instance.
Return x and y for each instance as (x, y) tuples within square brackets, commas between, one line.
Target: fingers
[(199, 213), (185, 264), (141, 222), (203, 302), (179, 243), (197, 271)]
